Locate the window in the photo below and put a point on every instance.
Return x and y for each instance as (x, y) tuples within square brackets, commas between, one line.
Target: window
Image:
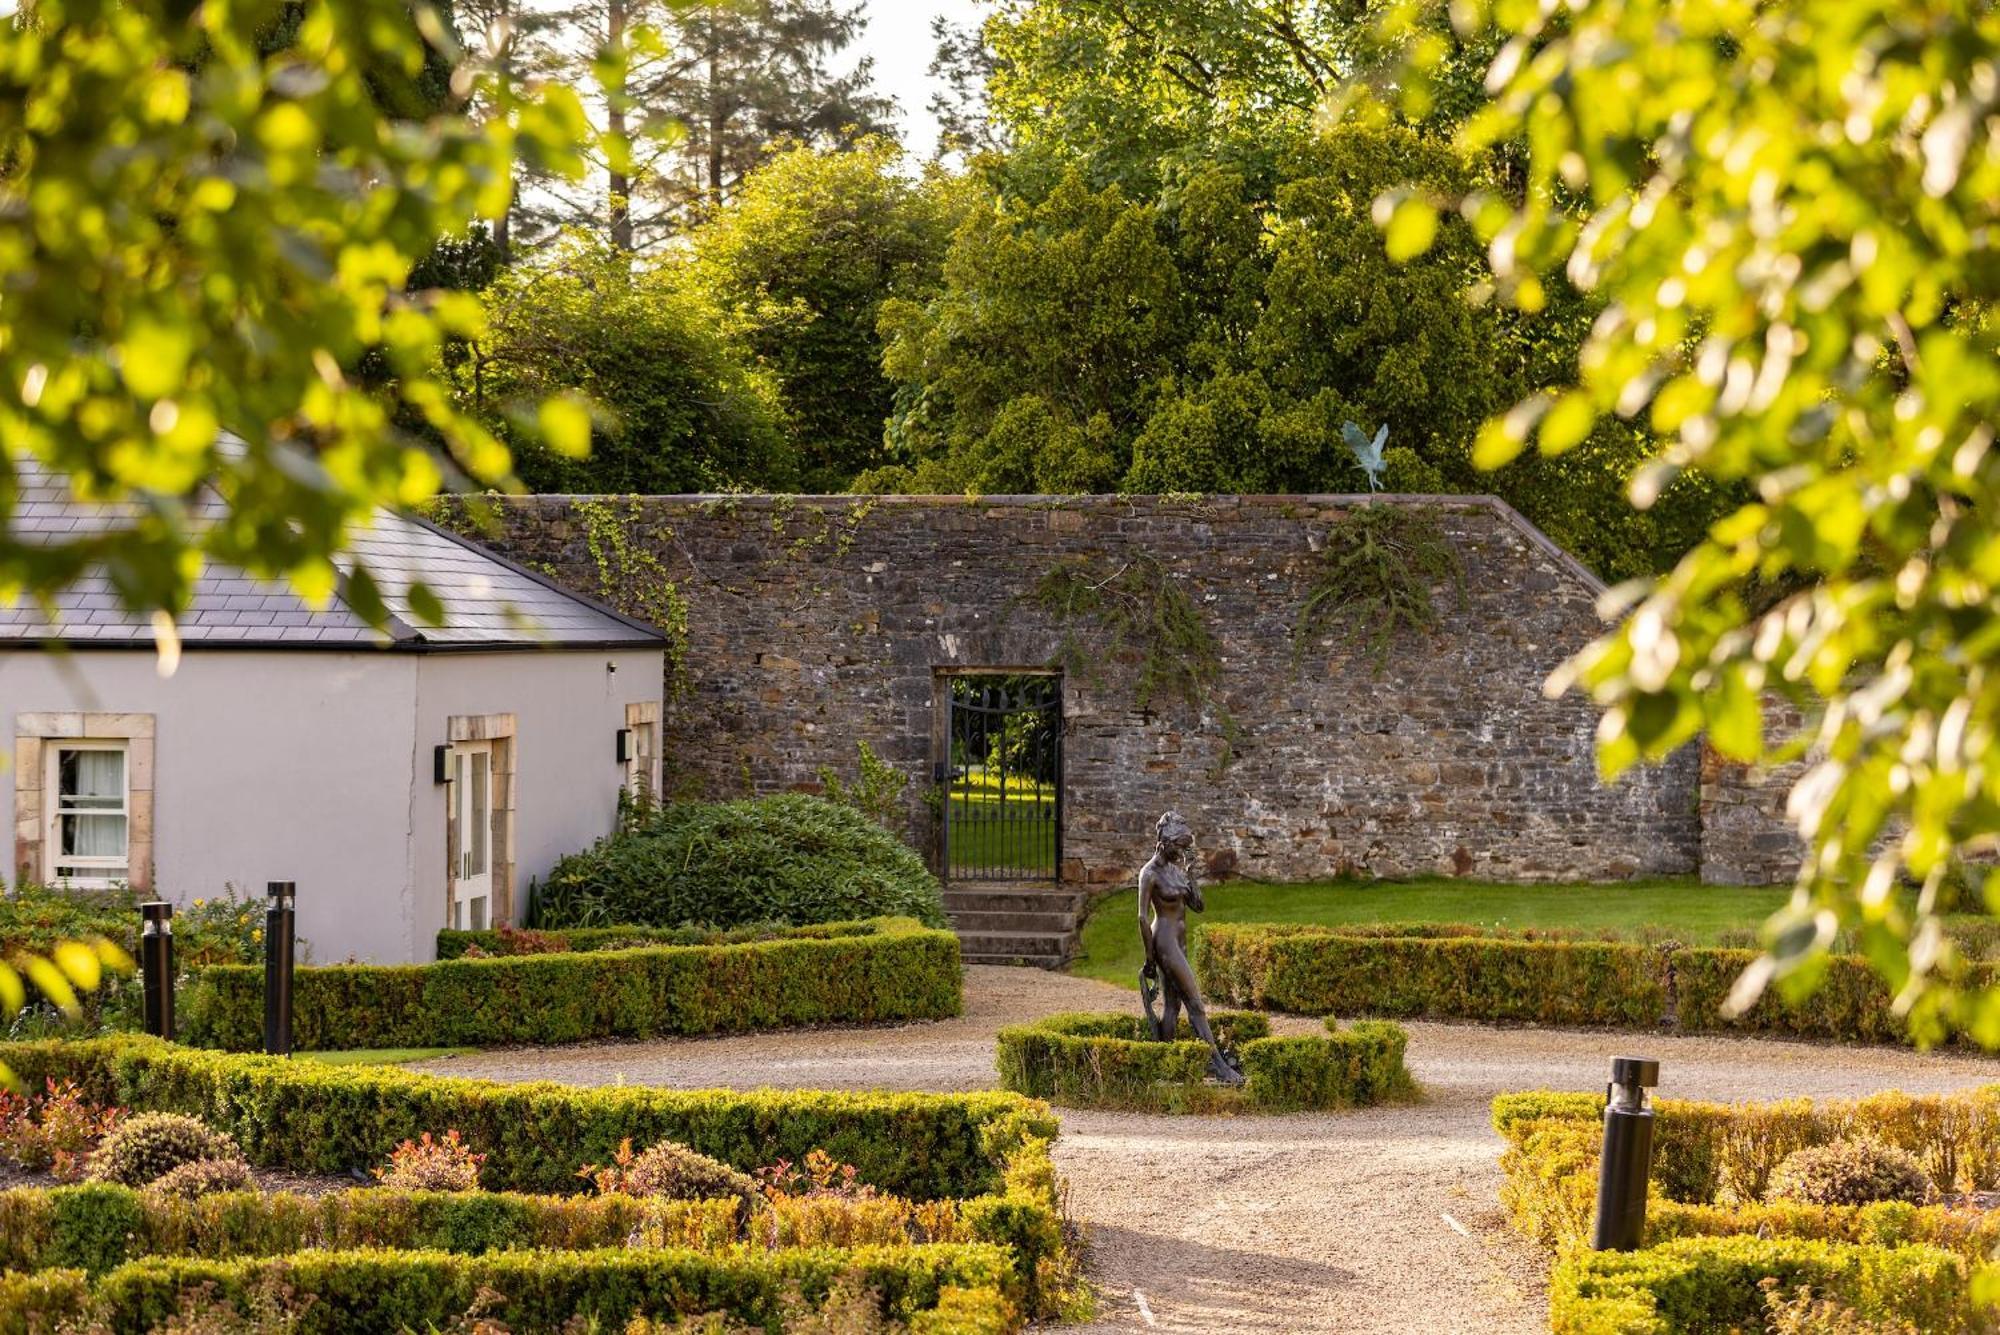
[(89, 813)]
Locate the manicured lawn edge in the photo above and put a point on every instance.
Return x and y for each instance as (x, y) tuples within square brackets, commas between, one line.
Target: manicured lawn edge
[(429, 1290), (1097, 1060), (882, 970), (1321, 971)]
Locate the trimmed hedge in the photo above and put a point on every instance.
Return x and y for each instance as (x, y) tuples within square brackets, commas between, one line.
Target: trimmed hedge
[(543, 1290), (791, 858), (329, 1119), (1441, 973), (1712, 1286), (452, 943), (853, 973), (1092, 1060)]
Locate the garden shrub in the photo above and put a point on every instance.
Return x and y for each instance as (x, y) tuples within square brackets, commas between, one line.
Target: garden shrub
[(1848, 1172), (204, 1177), (147, 1147), (443, 1163), (315, 1118), (848, 973), (792, 858), (1096, 1060), (1713, 1286), (1447, 971), (419, 1290), (674, 1172), (56, 1130)]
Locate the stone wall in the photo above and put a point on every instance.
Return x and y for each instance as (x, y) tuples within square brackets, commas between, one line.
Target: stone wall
[(815, 623)]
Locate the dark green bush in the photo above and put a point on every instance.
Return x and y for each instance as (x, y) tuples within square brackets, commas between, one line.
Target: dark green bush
[(427, 1290), (790, 858), (1713, 1286), (1848, 1172), (853, 973), (145, 1148), (1443, 972), (315, 1118), (1093, 1060)]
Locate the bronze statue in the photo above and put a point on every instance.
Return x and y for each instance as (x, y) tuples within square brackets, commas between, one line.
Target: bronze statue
[(1168, 888)]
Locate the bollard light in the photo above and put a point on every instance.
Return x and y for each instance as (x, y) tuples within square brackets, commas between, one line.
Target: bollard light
[(1627, 1164), (156, 964), (279, 922)]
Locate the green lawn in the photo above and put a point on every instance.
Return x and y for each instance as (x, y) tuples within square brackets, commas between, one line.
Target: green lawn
[(1693, 912), (987, 834), (380, 1056)]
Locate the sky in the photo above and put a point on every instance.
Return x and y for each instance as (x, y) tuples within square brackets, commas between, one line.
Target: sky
[(899, 38)]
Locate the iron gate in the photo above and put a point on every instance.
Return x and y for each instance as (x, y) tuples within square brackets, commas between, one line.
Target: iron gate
[(1003, 778)]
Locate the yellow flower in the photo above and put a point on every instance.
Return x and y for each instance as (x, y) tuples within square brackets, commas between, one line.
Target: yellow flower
[(257, 934), (199, 902)]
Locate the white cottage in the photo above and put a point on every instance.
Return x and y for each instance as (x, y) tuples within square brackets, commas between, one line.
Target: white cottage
[(405, 781)]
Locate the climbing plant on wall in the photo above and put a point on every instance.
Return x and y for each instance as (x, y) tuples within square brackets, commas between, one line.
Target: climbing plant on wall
[(631, 578), (1137, 610), (1376, 578)]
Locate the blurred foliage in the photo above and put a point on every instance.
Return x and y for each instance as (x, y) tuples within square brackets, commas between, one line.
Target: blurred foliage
[(1787, 213), (208, 222)]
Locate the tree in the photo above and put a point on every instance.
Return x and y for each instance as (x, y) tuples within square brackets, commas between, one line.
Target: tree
[(1787, 212), (677, 406), (702, 91), (803, 258), (199, 234), (1130, 85)]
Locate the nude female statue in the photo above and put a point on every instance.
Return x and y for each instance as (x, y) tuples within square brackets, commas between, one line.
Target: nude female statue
[(1168, 889)]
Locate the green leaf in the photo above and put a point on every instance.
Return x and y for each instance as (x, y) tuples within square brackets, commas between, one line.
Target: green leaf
[(1567, 424), (1411, 229), (1736, 718), (565, 426), (153, 357)]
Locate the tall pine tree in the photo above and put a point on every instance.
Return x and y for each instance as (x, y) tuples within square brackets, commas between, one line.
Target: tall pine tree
[(697, 96)]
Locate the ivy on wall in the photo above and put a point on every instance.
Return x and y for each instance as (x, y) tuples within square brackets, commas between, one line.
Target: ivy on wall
[(1137, 611), (634, 580), (1376, 578)]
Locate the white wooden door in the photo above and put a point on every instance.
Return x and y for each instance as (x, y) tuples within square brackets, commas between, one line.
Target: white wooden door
[(472, 801)]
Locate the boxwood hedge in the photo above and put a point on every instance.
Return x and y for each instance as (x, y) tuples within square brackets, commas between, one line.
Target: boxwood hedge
[(1713, 1286), (856, 973), (330, 1119), (1320, 970), (789, 858), (1092, 1060), (935, 1289)]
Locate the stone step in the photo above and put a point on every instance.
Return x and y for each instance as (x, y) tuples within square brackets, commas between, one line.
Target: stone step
[(978, 922), (1048, 949), (1013, 901)]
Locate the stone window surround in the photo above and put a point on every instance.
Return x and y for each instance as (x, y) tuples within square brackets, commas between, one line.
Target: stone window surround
[(641, 712), (498, 729), (32, 733)]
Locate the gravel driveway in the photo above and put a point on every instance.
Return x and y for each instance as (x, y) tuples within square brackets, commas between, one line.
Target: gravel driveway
[(1380, 1220)]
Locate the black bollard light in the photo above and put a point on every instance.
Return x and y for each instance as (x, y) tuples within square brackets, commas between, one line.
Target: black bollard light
[(1628, 1155), (156, 963), (278, 932)]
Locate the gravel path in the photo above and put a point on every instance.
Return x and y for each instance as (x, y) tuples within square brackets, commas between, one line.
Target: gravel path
[(1379, 1220)]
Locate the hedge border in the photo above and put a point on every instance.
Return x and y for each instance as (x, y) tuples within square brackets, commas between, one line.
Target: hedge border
[(1710, 1151), (876, 971), (330, 1119), (1699, 1286), (1084, 1059), (452, 943), (1310, 969), (938, 1288)]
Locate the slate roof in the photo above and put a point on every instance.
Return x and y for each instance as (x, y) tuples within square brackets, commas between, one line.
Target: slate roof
[(490, 603)]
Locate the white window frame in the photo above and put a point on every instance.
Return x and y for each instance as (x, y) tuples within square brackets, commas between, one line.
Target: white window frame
[(88, 873)]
